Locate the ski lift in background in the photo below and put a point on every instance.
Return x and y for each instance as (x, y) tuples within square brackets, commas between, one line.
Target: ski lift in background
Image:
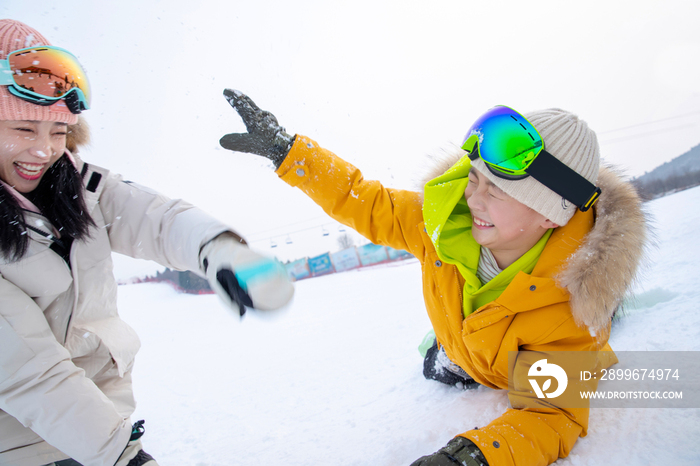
[(273, 244), (341, 228), (288, 240), (324, 231)]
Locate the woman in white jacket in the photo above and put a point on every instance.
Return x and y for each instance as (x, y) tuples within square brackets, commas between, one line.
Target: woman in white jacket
[(65, 355)]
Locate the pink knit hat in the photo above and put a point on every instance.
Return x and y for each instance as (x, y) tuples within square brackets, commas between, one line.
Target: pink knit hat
[(14, 36)]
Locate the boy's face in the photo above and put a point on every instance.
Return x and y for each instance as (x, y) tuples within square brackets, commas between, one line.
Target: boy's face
[(502, 224)]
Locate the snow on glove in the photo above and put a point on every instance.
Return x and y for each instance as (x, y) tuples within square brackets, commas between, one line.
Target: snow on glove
[(264, 137), (458, 452), (243, 278)]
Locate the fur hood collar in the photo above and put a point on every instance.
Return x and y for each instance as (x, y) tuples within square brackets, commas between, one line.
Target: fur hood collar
[(78, 135), (601, 272)]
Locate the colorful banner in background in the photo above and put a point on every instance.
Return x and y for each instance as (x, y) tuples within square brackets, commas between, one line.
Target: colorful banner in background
[(299, 269), (397, 254), (371, 254), (341, 261), (320, 265), (347, 259)]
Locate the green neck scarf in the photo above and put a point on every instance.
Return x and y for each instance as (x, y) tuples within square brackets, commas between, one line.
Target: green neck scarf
[(448, 222)]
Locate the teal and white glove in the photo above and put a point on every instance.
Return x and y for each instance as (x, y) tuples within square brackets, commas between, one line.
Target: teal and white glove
[(243, 278)]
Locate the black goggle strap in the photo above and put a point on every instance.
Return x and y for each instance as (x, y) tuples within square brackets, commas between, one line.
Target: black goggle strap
[(563, 180)]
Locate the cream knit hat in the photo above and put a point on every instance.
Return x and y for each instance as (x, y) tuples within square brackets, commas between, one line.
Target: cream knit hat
[(14, 36), (569, 139)]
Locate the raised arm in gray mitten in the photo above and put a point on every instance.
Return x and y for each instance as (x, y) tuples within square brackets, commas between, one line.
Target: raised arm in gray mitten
[(264, 137)]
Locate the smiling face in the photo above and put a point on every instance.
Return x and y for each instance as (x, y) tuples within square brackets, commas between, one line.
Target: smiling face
[(28, 149), (502, 224)]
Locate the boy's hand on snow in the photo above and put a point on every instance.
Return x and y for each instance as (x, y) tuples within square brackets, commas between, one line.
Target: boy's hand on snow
[(264, 137), (458, 451), (243, 278)]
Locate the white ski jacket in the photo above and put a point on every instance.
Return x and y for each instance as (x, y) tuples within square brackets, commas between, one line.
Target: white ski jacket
[(65, 355)]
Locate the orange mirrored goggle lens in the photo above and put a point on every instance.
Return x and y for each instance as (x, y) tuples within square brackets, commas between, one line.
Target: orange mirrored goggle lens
[(48, 71)]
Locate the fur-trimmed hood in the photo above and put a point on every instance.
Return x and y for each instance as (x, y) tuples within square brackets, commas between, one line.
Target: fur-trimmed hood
[(601, 272), (78, 135)]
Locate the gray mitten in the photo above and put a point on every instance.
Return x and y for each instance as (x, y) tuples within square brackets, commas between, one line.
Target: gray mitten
[(264, 137)]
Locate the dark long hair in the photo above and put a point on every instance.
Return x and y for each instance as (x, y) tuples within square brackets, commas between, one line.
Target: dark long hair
[(60, 199)]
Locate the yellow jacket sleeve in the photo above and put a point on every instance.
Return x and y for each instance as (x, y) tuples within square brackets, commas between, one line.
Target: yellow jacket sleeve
[(385, 216)]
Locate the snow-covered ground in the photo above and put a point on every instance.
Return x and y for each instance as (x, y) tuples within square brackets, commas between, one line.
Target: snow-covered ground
[(336, 378)]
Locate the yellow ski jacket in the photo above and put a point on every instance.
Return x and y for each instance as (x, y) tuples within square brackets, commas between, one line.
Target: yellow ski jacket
[(564, 304)]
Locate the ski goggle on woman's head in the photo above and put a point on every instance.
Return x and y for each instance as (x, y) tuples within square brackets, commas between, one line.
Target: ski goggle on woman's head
[(512, 149), (44, 75)]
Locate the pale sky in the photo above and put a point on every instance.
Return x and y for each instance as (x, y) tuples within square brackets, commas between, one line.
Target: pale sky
[(380, 83)]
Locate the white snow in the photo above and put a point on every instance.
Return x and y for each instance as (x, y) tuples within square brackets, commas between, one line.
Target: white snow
[(337, 378)]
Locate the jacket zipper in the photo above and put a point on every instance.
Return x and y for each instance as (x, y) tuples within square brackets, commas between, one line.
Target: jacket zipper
[(63, 250)]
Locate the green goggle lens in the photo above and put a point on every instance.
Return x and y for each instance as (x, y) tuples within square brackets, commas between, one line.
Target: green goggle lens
[(505, 140)]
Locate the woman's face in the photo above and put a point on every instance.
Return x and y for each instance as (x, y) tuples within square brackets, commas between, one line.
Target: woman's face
[(28, 149)]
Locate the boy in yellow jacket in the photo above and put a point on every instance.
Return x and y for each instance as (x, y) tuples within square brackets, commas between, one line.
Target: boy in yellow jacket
[(526, 244)]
